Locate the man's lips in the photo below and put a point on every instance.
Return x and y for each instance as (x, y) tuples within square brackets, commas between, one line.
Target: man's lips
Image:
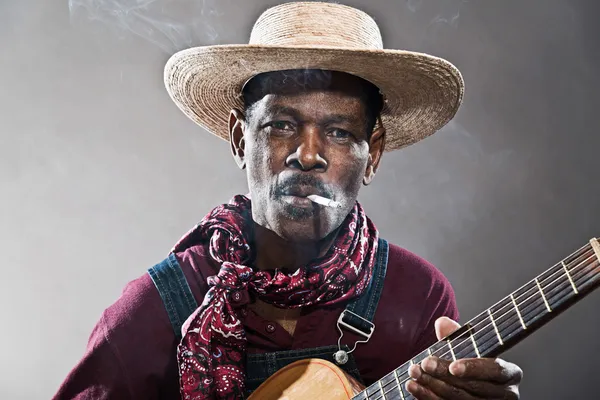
[(303, 191), (298, 201), (297, 195)]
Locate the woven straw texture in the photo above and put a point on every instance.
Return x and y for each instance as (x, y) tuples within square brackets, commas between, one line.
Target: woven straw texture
[(422, 92)]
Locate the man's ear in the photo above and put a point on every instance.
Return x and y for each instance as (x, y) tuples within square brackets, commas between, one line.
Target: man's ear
[(376, 148), (236, 137)]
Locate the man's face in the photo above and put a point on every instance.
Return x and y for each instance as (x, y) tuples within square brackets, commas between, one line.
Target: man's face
[(302, 143)]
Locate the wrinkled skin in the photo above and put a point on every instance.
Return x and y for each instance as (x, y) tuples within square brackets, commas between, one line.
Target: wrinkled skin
[(314, 139)]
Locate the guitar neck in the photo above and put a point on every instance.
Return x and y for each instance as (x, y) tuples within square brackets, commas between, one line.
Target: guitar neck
[(508, 321)]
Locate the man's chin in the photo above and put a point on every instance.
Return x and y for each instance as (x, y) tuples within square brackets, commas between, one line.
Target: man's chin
[(301, 224), (299, 214)]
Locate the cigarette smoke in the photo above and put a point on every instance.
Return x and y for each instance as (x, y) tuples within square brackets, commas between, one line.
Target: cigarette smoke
[(171, 25)]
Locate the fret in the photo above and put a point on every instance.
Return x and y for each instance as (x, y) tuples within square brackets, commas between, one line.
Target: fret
[(390, 387), (579, 269), (556, 283), (398, 384), (451, 350), (381, 390), (537, 282), (420, 357), (504, 313), (400, 378), (532, 305), (517, 310), (405, 393), (495, 327), (583, 269), (484, 334), (569, 276), (403, 369), (445, 351), (461, 344), (440, 349), (374, 391), (556, 286), (474, 343)]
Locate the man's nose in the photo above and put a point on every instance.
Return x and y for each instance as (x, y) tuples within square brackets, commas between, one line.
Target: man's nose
[(309, 149)]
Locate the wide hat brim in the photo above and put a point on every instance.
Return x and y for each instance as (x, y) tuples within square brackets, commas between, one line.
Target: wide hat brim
[(422, 93)]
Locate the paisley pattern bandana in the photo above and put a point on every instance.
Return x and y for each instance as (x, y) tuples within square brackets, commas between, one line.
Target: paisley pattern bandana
[(211, 355)]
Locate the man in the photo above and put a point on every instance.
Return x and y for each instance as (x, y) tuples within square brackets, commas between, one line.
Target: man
[(263, 282)]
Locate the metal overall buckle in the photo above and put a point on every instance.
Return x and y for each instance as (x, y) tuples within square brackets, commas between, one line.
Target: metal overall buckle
[(341, 356)]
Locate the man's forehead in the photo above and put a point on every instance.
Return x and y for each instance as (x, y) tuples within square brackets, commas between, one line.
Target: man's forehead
[(312, 101)]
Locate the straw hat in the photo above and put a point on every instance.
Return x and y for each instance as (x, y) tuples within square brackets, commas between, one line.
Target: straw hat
[(421, 92)]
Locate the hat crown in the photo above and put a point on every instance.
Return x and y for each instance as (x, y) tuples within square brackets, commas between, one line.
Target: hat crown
[(316, 24)]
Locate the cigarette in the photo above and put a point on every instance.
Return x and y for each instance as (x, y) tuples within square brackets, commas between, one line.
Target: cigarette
[(323, 201)]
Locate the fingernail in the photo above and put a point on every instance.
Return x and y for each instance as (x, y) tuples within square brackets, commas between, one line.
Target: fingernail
[(429, 364), (412, 384), (414, 373), (457, 369)]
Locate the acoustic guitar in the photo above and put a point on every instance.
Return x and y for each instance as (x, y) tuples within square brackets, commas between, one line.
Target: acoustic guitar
[(489, 334)]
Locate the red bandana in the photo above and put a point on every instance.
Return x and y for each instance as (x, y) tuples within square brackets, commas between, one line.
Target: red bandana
[(211, 355)]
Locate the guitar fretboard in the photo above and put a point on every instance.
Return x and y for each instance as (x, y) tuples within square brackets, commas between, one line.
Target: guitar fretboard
[(507, 322)]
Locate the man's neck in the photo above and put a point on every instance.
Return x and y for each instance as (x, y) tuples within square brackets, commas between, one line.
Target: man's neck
[(274, 252)]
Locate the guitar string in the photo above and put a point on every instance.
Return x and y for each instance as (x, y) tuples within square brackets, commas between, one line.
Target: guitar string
[(558, 293), (555, 295), (578, 254), (565, 289), (545, 285), (512, 321), (538, 302)]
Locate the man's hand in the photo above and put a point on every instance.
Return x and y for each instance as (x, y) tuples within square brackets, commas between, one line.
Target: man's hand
[(466, 379)]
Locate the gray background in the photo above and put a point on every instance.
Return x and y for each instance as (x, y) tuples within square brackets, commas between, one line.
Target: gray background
[(101, 173)]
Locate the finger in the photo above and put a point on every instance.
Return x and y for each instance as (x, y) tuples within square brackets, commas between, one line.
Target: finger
[(487, 369), (428, 387), (512, 393), (444, 326), (420, 392), (436, 366), (438, 369)]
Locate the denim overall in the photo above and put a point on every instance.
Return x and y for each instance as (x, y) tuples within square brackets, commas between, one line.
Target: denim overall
[(357, 316)]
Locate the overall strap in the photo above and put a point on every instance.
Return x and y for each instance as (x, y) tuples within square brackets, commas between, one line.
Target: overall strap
[(174, 291), (366, 305)]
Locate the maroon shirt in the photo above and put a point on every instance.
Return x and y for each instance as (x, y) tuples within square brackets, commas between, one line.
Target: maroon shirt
[(131, 352)]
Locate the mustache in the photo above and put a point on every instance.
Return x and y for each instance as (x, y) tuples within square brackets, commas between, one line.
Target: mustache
[(297, 180)]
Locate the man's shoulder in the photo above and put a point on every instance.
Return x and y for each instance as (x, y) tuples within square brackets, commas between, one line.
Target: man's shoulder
[(138, 305), (412, 277), (413, 267), (140, 300)]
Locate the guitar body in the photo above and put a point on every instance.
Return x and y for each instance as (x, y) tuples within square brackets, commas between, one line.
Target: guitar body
[(312, 378)]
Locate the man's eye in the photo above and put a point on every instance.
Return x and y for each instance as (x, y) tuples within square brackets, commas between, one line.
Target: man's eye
[(282, 125), (340, 134)]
